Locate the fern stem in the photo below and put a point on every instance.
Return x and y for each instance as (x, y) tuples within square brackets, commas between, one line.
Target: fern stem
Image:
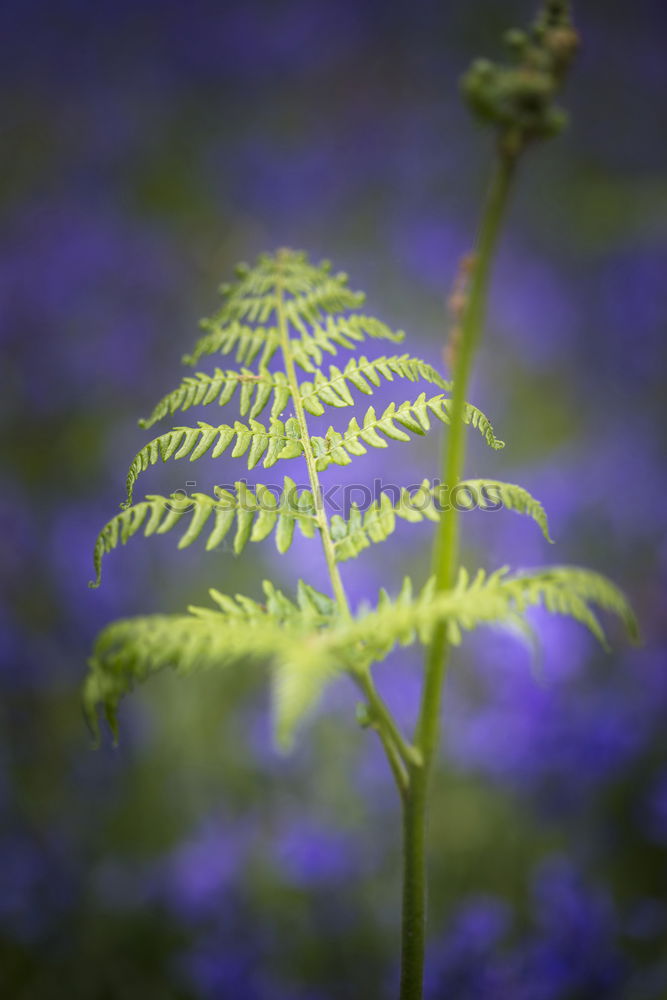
[(320, 512), (446, 553), (381, 715), (397, 750), (446, 561), (398, 768)]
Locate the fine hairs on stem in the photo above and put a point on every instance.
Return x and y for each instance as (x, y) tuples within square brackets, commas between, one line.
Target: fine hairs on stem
[(280, 319)]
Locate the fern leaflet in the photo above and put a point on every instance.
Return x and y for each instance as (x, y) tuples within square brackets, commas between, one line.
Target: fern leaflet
[(257, 512), (313, 307), (256, 388), (201, 389), (283, 440), (279, 631), (498, 598), (247, 340), (364, 375), (309, 641), (340, 448), (278, 440), (356, 533), (492, 491)]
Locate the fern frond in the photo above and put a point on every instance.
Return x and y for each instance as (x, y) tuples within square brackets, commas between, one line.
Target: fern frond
[(339, 331), (309, 642), (282, 440), (295, 274), (352, 535), (330, 296), (356, 533), (278, 440), (223, 338), (569, 590), (251, 308), (257, 513), (411, 617), (286, 301), (313, 302), (494, 599), (360, 373), (492, 491), (256, 389), (280, 631), (310, 291), (498, 598), (340, 448)]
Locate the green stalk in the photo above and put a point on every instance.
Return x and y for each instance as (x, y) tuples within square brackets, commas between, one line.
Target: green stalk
[(320, 512), (397, 750), (446, 563)]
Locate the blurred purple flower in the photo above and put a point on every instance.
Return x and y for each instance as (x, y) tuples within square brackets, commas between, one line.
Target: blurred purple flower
[(465, 964), (630, 304), (193, 879), (533, 309), (574, 951), (311, 855), (92, 291)]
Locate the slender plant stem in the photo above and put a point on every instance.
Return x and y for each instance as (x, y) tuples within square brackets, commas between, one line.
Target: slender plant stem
[(399, 752), (446, 562), (320, 512), (382, 716), (398, 768)]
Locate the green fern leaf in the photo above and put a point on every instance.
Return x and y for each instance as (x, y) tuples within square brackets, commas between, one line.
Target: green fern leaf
[(256, 512), (492, 491), (339, 331), (330, 296), (556, 586), (280, 632), (283, 440), (313, 290), (295, 275), (352, 535), (256, 388), (201, 389), (410, 618), (415, 417), (286, 303), (363, 375), (356, 533), (259, 513), (313, 301), (498, 599), (279, 440), (223, 338), (298, 683)]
